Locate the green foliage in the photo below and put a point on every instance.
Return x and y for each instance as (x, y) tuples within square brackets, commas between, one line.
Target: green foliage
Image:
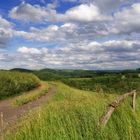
[(12, 83), (73, 115), (107, 84), (52, 74), (21, 70), (59, 74)]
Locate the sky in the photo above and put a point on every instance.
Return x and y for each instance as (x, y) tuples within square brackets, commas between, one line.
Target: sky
[(70, 34)]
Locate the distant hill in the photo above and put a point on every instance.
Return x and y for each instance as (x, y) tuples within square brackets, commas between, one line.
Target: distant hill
[(55, 74), (21, 70), (58, 74)]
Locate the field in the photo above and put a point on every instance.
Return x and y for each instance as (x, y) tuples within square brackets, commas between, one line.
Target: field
[(73, 114), (74, 110)]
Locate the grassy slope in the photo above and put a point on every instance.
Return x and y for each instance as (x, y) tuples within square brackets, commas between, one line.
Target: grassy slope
[(13, 83), (73, 114)]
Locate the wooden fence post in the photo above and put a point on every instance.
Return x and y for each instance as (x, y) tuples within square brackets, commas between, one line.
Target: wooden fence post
[(1, 126), (1, 116), (134, 100)]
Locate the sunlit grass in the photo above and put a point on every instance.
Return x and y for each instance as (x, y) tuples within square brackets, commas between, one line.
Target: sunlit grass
[(31, 95), (73, 115)]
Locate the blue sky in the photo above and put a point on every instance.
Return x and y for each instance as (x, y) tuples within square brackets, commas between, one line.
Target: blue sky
[(70, 34)]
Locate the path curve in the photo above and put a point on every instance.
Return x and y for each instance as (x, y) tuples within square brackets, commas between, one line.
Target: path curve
[(12, 114)]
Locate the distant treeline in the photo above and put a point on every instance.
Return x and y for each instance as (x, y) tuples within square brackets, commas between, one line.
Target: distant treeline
[(111, 81), (54, 74), (106, 84)]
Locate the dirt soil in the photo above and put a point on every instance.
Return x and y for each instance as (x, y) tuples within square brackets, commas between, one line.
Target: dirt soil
[(11, 114)]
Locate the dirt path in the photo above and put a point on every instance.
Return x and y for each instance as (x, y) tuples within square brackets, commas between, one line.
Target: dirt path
[(12, 114)]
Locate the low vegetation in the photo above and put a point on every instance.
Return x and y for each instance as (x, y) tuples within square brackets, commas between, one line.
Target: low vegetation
[(74, 111), (12, 83), (106, 83), (52, 74), (73, 114), (32, 95)]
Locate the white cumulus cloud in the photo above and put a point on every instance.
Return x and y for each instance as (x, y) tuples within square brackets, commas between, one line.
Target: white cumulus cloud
[(5, 32), (34, 13), (93, 55)]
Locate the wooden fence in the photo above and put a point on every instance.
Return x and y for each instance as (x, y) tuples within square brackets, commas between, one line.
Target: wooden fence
[(107, 114)]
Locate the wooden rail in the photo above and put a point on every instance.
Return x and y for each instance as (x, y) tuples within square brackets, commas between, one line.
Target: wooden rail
[(106, 116)]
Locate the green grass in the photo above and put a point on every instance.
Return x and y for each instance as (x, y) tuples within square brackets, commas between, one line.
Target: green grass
[(12, 83), (73, 114), (31, 95)]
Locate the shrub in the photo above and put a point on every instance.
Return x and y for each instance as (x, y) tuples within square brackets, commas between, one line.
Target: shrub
[(106, 84), (15, 82)]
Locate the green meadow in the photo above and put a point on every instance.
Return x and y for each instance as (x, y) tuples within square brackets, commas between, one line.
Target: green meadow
[(73, 114)]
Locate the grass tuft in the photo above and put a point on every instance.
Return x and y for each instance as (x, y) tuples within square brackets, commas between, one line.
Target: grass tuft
[(32, 95)]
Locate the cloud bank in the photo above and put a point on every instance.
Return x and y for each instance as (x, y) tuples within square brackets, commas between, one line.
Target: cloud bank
[(90, 35)]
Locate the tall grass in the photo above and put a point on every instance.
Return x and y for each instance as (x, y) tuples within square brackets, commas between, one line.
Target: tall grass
[(15, 82), (73, 115), (31, 95)]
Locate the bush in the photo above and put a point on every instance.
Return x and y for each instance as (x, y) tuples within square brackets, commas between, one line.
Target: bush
[(106, 84), (15, 82)]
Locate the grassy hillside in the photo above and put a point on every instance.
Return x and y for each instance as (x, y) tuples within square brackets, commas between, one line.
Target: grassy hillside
[(21, 70), (56, 74), (53, 74), (73, 114), (12, 83)]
